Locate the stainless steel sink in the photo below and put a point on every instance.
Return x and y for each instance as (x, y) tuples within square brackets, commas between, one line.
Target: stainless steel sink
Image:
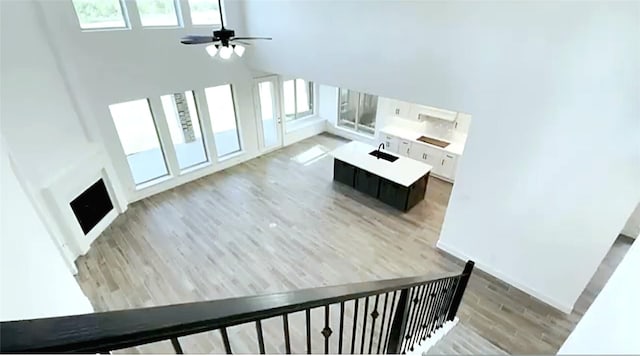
[(383, 155)]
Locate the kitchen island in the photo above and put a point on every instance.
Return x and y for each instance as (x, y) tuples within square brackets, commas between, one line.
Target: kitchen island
[(398, 181)]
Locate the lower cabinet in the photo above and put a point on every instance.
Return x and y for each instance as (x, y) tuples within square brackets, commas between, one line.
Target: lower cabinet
[(393, 194), (367, 182), (401, 197), (344, 172)]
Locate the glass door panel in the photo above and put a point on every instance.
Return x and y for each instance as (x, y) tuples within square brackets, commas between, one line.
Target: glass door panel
[(267, 110)]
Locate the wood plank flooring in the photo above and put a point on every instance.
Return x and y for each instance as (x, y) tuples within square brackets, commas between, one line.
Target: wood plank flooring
[(279, 223), (462, 340)]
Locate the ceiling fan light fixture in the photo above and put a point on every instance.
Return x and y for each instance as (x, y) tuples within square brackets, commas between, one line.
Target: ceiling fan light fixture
[(239, 50), (212, 50), (226, 52)]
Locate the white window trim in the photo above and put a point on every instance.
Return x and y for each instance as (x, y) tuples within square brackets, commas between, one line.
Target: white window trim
[(125, 17), (356, 119), (314, 112), (178, 13)]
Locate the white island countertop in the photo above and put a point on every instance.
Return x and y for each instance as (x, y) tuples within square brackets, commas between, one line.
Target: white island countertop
[(404, 171)]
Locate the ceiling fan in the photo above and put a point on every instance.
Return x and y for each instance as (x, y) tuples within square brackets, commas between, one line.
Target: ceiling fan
[(224, 41)]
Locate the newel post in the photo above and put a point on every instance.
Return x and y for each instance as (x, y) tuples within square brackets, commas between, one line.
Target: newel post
[(460, 288)]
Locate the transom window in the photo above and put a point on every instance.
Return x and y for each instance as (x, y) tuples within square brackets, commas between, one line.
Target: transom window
[(298, 99), (157, 12), (100, 14), (204, 12)]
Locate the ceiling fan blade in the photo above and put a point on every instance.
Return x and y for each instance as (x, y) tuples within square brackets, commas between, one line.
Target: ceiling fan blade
[(251, 38), (195, 39), (240, 42)]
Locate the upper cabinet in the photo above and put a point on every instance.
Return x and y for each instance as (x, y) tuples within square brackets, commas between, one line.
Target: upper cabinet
[(400, 108)]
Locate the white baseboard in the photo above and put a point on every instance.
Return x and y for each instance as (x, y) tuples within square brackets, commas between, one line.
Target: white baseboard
[(483, 266)]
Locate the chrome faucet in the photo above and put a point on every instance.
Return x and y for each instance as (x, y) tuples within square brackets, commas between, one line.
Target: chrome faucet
[(380, 145)]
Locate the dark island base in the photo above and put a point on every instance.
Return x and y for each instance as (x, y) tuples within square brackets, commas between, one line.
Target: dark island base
[(394, 194)]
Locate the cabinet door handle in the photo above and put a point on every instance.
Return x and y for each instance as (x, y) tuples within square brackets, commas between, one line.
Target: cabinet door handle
[(443, 161)]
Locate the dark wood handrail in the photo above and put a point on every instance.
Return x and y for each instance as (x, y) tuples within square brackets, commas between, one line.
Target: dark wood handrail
[(113, 330)]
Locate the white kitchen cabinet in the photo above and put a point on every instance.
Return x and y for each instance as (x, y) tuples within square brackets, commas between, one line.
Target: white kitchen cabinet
[(404, 148), (427, 154), (462, 123), (448, 165), (401, 108), (390, 142)]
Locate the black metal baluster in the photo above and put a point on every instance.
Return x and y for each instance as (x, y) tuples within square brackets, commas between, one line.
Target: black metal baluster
[(441, 298), (364, 323), (355, 324), (225, 341), (425, 315), (384, 314), (460, 288), (287, 341), (412, 317), (392, 307), (416, 325), (341, 327), (326, 332), (374, 316), (432, 308), (176, 345), (443, 307), (449, 301), (260, 337), (307, 314), (399, 325)]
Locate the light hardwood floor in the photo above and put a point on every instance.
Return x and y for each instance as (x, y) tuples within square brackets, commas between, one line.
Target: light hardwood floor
[(275, 224)]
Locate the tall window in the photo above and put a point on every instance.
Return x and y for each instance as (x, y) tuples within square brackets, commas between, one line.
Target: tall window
[(139, 139), (184, 126), (357, 111), (223, 119), (94, 14), (204, 12), (157, 12), (298, 99)]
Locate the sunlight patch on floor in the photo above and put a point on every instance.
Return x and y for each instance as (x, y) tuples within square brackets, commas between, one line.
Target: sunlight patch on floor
[(311, 155)]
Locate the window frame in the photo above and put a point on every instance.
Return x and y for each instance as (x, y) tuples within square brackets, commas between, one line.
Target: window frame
[(356, 121), (240, 150), (312, 97), (154, 121), (177, 12), (216, 26), (125, 18), (205, 148)]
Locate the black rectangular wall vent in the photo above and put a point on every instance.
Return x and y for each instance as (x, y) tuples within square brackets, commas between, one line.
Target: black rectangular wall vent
[(91, 206)]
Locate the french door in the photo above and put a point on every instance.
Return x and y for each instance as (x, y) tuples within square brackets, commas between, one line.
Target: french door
[(268, 113)]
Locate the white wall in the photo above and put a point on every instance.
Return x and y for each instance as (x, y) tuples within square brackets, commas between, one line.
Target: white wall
[(107, 67), (35, 280), (632, 227), (610, 325), (539, 197)]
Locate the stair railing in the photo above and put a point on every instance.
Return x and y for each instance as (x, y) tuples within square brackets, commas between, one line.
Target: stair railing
[(388, 316)]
